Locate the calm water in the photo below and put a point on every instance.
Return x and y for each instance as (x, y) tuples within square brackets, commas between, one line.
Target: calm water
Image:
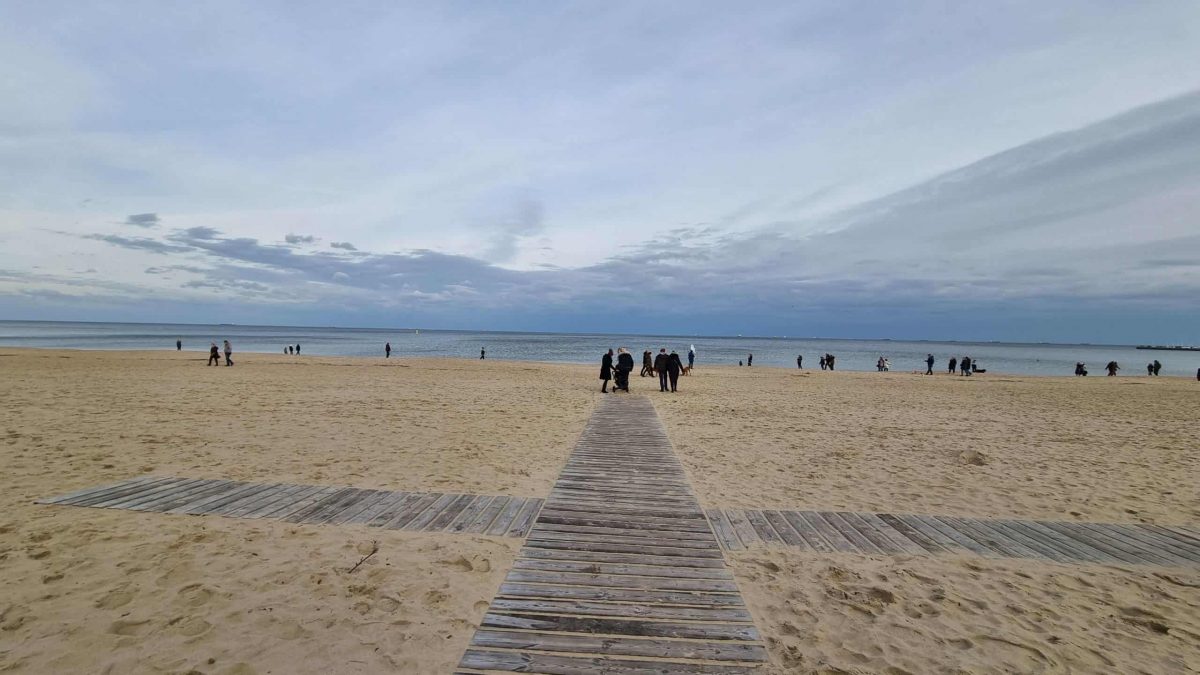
[(1030, 359)]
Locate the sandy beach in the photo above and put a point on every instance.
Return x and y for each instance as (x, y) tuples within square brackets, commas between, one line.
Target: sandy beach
[(90, 590)]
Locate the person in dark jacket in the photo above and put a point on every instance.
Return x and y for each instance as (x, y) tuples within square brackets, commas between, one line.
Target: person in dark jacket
[(749, 360), (674, 367), (953, 364), (964, 366), (624, 368), (929, 364), (829, 359), (691, 357), (214, 355), (800, 361), (647, 367), (660, 367), (1157, 367), (179, 345), (606, 367), (387, 350)]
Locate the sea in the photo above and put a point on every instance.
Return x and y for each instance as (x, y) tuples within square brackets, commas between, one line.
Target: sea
[(769, 352)]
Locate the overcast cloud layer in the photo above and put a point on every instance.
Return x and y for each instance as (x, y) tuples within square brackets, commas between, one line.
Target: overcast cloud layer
[(1007, 171)]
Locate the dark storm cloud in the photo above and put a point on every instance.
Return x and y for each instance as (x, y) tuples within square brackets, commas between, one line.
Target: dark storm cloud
[(143, 220)]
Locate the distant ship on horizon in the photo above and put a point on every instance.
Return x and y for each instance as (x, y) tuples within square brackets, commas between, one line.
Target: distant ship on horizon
[(1170, 348)]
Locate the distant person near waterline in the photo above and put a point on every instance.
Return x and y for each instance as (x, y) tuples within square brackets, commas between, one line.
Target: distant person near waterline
[(929, 364), (1112, 368), (660, 367), (228, 353), (1149, 369), (964, 366), (606, 368), (297, 349), (647, 366), (800, 361), (214, 355), (829, 359), (691, 356), (179, 345), (387, 350), (482, 353), (749, 360), (953, 364), (624, 368), (1157, 367), (1080, 369), (674, 367)]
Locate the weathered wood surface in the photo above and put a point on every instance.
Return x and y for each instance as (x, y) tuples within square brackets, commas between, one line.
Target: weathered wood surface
[(620, 571), (314, 504), (906, 534)]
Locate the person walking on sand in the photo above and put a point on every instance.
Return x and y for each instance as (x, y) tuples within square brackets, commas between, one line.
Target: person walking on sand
[(647, 367), (953, 364), (624, 368), (749, 360), (214, 355), (1157, 367), (829, 358), (228, 353), (179, 345), (964, 366), (1112, 368), (929, 364), (821, 362), (674, 367), (660, 367), (800, 361), (606, 368), (387, 350), (297, 349), (482, 353), (691, 356)]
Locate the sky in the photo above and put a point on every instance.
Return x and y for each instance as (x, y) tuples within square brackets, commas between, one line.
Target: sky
[(1022, 171)]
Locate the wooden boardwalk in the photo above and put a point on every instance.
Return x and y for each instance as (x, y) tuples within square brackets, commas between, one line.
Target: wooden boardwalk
[(621, 572), (886, 533), (315, 504)]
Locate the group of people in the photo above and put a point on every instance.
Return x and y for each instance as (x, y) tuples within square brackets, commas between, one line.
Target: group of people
[(214, 354), (296, 350), (668, 367), (883, 365), (1112, 367), (966, 366), (1154, 366), (826, 362)]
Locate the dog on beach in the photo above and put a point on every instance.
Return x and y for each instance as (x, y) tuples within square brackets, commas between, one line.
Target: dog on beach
[(687, 370)]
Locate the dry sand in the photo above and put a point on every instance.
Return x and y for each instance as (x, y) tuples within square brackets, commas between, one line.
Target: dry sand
[(838, 613), (1123, 449), (89, 590)]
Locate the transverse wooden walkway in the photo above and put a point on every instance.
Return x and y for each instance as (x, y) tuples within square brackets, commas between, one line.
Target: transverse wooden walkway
[(886, 533), (621, 572), (315, 504)]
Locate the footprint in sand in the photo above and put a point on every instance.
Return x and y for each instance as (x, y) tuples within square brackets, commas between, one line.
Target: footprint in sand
[(129, 627), (114, 599), (195, 595), (435, 598)]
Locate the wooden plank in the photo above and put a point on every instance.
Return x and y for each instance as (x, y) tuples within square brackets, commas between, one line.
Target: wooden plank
[(93, 490), (235, 500), (685, 598), (411, 509), (1187, 555), (861, 544), (232, 487), (333, 507), (470, 513), (926, 542), (389, 500), (303, 505), (548, 515), (524, 519), (505, 518), (936, 526), (189, 496), (983, 538), (204, 506), (725, 533), (621, 568), (373, 498), (869, 532), (812, 538), (692, 512), (897, 538), (98, 497), (150, 495), (580, 624), (1021, 536), (1176, 533), (620, 609), (447, 516), (624, 558), (741, 525), (817, 521), (787, 533), (541, 533), (609, 580), (270, 502), (1063, 529), (1135, 547), (1067, 545), (609, 547), (763, 528), (621, 532), (290, 502), (486, 517), (620, 646), (397, 507), (528, 662), (119, 496)]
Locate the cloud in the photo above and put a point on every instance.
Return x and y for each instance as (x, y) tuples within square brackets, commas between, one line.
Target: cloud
[(526, 221), (344, 245), (201, 233), (143, 220), (137, 243), (299, 239)]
